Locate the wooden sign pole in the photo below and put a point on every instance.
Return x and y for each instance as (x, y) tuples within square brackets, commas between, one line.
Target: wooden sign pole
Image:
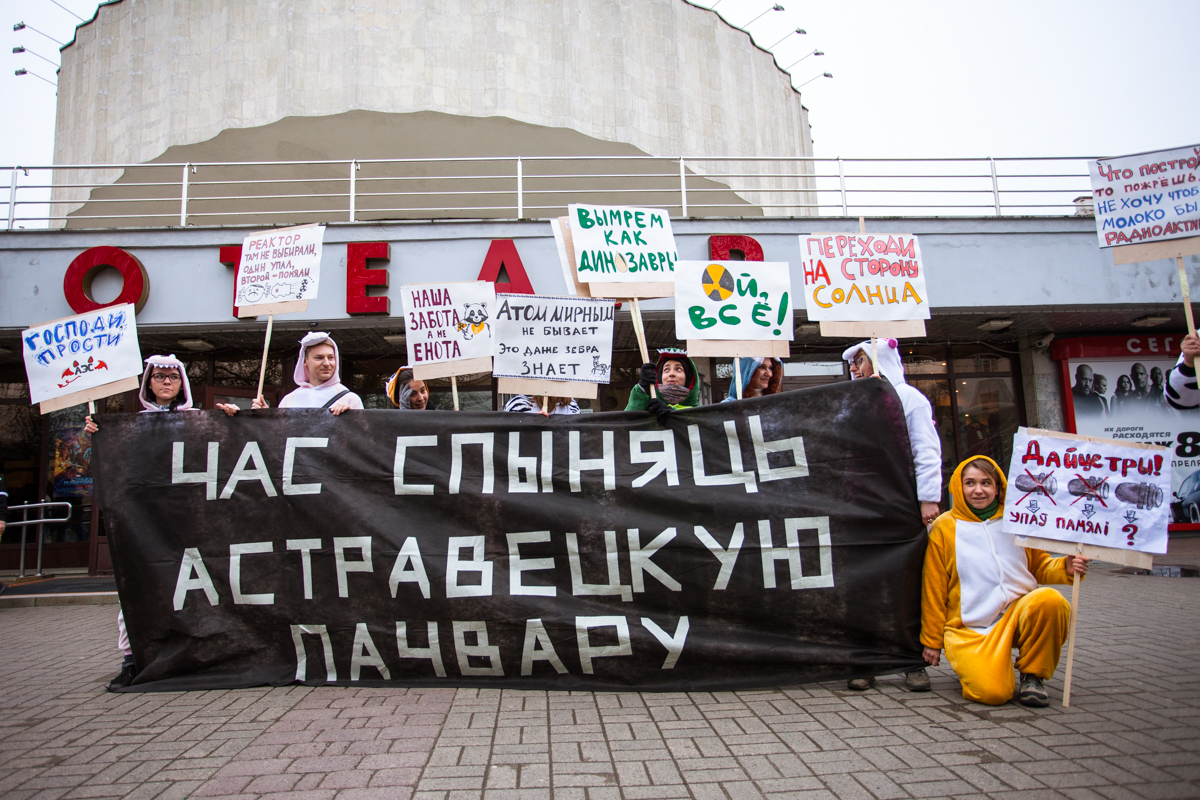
[(454, 390), (262, 370), (1187, 296), (737, 375), (1075, 581), (640, 331)]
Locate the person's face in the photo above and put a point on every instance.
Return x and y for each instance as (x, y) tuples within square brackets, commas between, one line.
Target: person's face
[(321, 363), (674, 374), (1099, 384), (761, 378), (979, 489), (860, 366), (420, 395), (1083, 378), (165, 383), (1140, 377), (1156, 376), (1124, 386)]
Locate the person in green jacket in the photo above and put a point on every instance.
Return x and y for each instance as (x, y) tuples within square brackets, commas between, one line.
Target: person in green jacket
[(676, 383)]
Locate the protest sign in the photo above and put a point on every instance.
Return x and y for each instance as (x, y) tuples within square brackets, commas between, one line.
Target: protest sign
[(82, 358), (448, 327), (1148, 197), (747, 304), (1147, 208), (1099, 492), (630, 249), (557, 346), (864, 278), (279, 271), (598, 551)]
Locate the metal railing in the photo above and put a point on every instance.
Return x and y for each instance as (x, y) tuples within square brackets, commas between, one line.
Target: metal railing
[(538, 187), (39, 522)]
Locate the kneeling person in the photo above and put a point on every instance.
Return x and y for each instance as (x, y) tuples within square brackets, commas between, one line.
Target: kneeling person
[(980, 595)]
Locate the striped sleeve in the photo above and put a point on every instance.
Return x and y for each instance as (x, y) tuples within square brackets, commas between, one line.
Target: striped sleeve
[(520, 404), (1180, 388)]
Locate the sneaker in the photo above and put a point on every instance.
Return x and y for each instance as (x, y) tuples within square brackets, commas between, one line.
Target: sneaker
[(860, 684), (124, 677), (916, 681), (1032, 692)]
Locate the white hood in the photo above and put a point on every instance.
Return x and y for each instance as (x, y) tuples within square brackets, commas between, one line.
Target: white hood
[(185, 391), (300, 373), (888, 354)]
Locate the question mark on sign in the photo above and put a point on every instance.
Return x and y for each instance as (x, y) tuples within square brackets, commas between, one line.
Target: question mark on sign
[(1131, 530)]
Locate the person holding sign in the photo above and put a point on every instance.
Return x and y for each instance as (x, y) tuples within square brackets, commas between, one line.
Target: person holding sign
[(980, 595), (1180, 390), (165, 387), (674, 379), (406, 392), (318, 379), (760, 377)]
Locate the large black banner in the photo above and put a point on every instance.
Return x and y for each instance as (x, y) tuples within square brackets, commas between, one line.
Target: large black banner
[(772, 541)]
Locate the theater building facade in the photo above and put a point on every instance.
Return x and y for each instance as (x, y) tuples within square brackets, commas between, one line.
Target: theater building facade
[(998, 287)]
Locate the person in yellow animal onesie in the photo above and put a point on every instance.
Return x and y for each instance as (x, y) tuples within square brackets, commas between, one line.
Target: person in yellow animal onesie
[(980, 595)]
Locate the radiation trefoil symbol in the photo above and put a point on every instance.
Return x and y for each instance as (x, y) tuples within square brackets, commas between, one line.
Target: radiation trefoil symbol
[(717, 282)]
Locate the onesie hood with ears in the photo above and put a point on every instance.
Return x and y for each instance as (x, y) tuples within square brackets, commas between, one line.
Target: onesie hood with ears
[(960, 509), (888, 353), (300, 374), (185, 391)]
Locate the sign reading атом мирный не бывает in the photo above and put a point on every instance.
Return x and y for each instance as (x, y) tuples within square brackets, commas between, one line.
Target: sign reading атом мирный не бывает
[(553, 338)]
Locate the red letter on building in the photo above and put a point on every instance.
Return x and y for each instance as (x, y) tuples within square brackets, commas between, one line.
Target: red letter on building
[(231, 256), (77, 283), (719, 247), (358, 278), (502, 255)]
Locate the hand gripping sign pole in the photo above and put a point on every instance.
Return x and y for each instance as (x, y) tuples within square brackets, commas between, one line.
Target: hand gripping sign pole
[(278, 273)]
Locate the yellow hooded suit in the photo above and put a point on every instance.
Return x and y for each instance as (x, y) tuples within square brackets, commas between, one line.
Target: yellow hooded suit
[(980, 599)]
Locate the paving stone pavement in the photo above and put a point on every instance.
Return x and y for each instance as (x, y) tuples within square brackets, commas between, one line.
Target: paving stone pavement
[(1133, 729)]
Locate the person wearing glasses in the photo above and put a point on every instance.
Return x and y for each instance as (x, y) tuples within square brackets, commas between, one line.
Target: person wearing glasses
[(318, 379), (165, 387), (926, 450)]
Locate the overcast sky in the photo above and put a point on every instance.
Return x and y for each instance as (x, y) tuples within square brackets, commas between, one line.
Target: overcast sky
[(926, 78)]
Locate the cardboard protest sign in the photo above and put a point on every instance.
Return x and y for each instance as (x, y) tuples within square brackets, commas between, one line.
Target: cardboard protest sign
[(733, 300), (449, 324), (1097, 492), (622, 245), (857, 278), (553, 338), (1148, 197), (85, 357), (588, 552), (279, 271)]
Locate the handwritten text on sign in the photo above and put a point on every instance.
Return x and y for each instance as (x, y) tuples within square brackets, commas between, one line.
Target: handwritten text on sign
[(622, 244), (1148, 197), (448, 321), (280, 266), (734, 300), (859, 278), (79, 353), (553, 338), (1098, 493)]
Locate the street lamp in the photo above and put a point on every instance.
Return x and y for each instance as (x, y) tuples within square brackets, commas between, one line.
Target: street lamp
[(797, 61), (800, 31), (24, 71), (20, 26), (810, 80), (22, 49), (775, 7)]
